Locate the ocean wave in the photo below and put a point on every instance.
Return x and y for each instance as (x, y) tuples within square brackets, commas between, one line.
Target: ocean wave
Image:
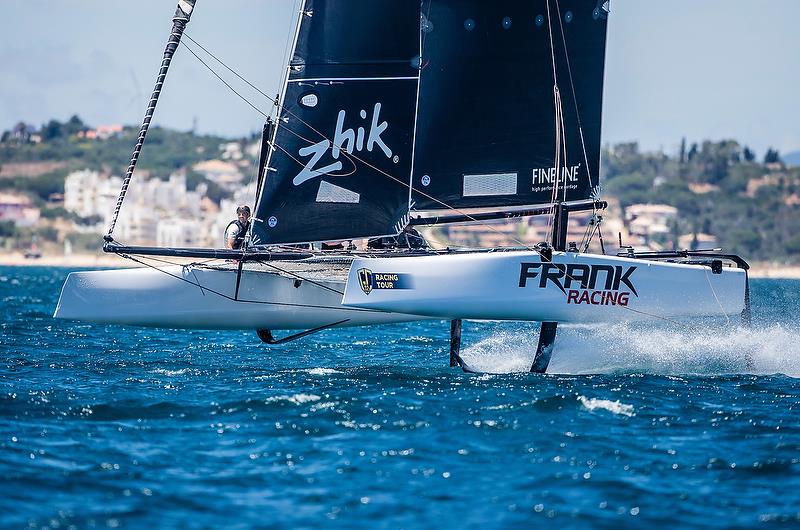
[(614, 407), (297, 399), (322, 371)]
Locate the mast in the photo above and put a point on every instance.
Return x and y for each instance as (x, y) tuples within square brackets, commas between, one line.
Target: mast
[(271, 129), (179, 21)]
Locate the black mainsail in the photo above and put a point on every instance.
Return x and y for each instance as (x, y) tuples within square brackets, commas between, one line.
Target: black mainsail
[(392, 106)]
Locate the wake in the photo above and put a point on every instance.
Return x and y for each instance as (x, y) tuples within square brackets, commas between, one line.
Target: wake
[(588, 349)]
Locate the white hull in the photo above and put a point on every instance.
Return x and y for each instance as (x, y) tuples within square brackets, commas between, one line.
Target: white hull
[(512, 285), (518, 286), (173, 297)]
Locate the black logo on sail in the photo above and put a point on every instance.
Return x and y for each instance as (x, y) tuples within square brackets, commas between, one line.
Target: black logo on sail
[(365, 280)]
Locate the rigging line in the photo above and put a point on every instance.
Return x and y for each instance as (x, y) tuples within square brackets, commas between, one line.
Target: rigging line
[(299, 277), (586, 236), (561, 142), (355, 167), (330, 143), (575, 99), (554, 194), (550, 31), (223, 295), (225, 82), (287, 49), (275, 101), (178, 27), (348, 155), (564, 146), (716, 298)]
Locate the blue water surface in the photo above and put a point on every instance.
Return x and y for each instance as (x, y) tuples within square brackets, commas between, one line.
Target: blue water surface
[(646, 426)]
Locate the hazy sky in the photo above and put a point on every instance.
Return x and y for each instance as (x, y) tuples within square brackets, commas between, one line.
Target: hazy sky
[(696, 68)]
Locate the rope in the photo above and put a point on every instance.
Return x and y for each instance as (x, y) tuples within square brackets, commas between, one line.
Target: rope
[(178, 26), (574, 98), (223, 295), (728, 320)]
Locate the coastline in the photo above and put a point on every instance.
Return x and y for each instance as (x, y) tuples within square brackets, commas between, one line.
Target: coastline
[(17, 259)]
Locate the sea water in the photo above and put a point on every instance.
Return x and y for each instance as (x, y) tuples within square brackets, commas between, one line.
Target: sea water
[(654, 425)]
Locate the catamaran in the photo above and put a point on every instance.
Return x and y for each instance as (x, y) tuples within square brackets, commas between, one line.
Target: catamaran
[(418, 113)]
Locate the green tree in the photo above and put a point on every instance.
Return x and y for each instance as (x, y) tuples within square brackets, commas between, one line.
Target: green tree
[(52, 130), (772, 156)]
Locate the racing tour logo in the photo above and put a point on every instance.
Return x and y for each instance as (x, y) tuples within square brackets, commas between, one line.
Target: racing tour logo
[(369, 280)]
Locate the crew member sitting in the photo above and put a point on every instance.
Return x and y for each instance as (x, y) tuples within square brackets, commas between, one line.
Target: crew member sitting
[(236, 231), (408, 238)]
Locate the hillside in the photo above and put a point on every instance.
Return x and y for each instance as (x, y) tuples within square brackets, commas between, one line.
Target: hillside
[(721, 192), (718, 188)]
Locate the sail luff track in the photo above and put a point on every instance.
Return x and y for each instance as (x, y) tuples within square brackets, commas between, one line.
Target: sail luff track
[(279, 104)]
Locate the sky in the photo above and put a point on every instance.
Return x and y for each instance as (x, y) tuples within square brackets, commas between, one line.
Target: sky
[(700, 69)]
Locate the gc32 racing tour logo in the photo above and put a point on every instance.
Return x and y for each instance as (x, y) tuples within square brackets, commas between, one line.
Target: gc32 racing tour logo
[(369, 280), (583, 284)]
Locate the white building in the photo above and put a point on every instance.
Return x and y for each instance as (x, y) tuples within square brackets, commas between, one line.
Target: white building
[(19, 209), (226, 174), (88, 193), (650, 219), (180, 233), (155, 211)]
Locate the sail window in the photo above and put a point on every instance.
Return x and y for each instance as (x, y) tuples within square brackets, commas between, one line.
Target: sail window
[(506, 22), (469, 24), (490, 184), (309, 100), (331, 193)]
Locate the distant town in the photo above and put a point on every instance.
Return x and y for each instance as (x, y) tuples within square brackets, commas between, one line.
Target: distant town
[(59, 184)]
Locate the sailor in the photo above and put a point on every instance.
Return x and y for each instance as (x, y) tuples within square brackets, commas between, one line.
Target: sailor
[(408, 238), (411, 238), (237, 230)]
